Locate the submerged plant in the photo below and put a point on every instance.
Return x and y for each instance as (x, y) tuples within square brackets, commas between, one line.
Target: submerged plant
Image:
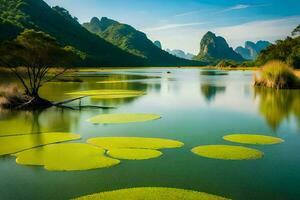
[(277, 74)]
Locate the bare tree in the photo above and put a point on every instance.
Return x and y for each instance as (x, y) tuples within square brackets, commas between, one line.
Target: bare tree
[(31, 57)]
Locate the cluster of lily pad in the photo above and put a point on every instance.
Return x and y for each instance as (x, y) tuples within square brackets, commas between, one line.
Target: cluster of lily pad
[(229, 152), (46, 149)]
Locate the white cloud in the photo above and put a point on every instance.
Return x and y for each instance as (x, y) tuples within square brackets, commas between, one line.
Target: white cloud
[(271, 30)]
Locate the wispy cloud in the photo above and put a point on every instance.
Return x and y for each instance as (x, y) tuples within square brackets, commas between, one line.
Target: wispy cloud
[(187, 13), (259, 30), (242, 7), (173, 26)]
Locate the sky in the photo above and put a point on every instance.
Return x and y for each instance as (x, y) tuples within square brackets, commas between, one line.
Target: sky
[(180, 24)]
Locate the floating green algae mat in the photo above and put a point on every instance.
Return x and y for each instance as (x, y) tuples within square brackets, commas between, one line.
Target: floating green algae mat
[(122, 118), (134, 142), (226, 152), (253, 139), (14, 144), (133, 154), (66, 157), (152, 193)]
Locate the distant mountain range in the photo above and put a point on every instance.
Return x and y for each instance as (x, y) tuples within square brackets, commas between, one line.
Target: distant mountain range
[(251, 49), (215, 48), (112, 48), (181, 54), (132, 41)]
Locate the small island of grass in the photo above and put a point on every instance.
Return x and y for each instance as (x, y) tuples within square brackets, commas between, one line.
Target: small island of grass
[(278, 75)]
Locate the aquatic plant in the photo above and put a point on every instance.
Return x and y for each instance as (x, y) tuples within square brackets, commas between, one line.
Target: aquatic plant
[(133, 154), (253, 139), (226, 152), (14, 144), (122, 118), (66, 157), (134, 142), (152, 193), (278, 75)]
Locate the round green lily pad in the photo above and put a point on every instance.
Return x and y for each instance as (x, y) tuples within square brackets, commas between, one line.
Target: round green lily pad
[(226, 152), (253, 139), (115, 96), (106, 93), (14, 144), (122, 118), (152, 193), (66, 157), (134, 142), (133, 154)]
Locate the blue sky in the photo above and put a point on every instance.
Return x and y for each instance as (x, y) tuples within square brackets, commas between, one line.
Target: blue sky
[(180, 24)]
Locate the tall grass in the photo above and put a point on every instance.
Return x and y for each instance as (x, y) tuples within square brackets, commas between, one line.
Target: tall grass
[(11, 95), (277, 74)]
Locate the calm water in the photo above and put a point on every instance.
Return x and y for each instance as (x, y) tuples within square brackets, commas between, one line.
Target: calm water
[(198, 107)]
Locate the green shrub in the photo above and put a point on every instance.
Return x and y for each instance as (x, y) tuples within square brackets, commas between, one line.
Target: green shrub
[(277, 74)]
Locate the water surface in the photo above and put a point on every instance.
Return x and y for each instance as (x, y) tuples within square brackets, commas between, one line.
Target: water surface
[(197, 106)]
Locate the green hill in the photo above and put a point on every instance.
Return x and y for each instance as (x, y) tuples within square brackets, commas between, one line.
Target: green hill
[(17, 15), (215, 48), (287, 50), (133, 41)]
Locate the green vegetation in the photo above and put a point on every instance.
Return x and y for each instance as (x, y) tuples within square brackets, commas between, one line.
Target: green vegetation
[(279, 75), (14, 144), (296, 31), (152, 193), (134, 42), (38, 52), (134, 142), (122, 118), (287, 51), (226, 152), (57, 22), (18, 15), (214, 49), (253, 139), (133, 154), (66, 157)]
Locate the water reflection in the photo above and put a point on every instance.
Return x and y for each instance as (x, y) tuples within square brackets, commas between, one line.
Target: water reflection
[(210, 91), (213, 73), (278, 105), (28, 122)]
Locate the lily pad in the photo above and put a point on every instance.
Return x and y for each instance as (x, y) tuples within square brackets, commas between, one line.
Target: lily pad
[(152, 193), (14, 144), (134, 142), (253, 139), (106, 92), (226, 152), (133, 154), (115, 96), (66, 157), (122, 118)]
